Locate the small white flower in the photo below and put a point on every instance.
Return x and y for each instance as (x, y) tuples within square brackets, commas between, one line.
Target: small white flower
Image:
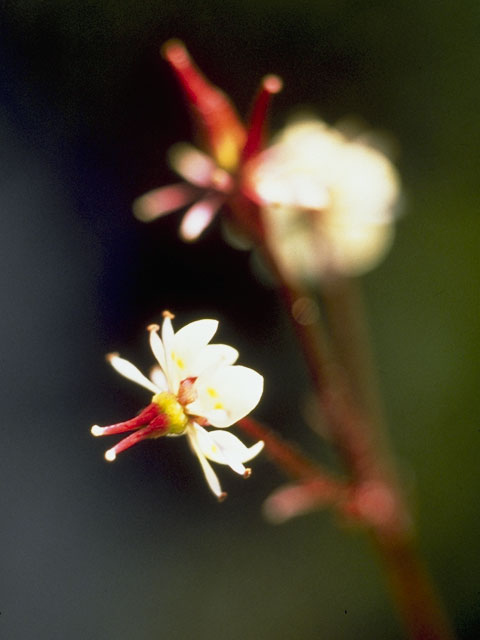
[(327, 201), (195, 384)]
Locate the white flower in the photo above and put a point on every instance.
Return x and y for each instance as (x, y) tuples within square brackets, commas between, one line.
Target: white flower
[(195, 385), (327, 201)]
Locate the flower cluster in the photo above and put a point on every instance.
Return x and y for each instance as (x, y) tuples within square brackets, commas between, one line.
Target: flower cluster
[(194, 385), (323, 203)]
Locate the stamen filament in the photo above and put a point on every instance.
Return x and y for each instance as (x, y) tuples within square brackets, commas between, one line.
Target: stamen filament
[(256, 130), (149, 431), (144, 417)]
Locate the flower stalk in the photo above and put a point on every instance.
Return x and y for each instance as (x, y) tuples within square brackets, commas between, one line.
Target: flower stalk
[(354, 428), (349, 218)]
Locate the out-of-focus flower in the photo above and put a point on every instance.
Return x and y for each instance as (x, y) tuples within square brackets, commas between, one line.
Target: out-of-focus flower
[(195, 385), (328, 202), (214, 177)]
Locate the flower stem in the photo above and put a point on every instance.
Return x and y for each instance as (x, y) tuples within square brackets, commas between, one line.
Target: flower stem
[(285, 454), (346, 391)]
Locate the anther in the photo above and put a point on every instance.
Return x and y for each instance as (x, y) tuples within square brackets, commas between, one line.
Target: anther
[(272, 83), (96, 430), (110, 455), (175, 52)]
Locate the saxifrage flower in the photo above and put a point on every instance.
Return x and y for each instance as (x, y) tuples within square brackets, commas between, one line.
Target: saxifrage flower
[(194, 385), (328, 201), (213, 177)]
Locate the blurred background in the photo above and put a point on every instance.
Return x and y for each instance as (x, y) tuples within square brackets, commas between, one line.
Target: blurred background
[(139, 548)]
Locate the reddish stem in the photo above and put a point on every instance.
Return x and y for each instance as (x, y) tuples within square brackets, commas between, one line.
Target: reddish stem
[(354, 431), (286, 455)]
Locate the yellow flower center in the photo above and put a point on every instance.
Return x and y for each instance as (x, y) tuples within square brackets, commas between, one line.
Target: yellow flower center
[(172, 410)]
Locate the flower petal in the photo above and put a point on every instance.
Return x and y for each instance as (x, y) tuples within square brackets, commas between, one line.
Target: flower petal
[(130, 371), (190, 163), (167, 343), (156, 346), (209, 473), (225, 448), (199, 216), (213, 356), (183, 348), (158, 378), (159, 202), (227, 394)]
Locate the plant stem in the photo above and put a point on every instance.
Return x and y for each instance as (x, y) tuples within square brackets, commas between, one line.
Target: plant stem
[(412, 590), (349, 399)]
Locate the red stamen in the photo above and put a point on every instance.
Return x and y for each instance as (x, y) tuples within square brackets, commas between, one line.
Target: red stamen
[(150, 431), (217, 118), (257, 125), (147, 416)]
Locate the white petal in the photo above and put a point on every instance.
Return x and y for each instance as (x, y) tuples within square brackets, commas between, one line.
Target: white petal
[(130, 371), (227, 394), (199, 216), (185, 346), (158, 378), (225, 448), (208, 472), (167, 341), (213, 356), (157, 348), (191, 164), (159, 202)]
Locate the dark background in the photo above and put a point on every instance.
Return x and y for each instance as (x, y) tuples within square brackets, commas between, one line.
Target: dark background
[(139, 548)]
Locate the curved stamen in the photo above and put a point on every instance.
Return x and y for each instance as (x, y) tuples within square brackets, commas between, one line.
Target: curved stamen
[(270, 85), (153, 430), (144, 418)]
